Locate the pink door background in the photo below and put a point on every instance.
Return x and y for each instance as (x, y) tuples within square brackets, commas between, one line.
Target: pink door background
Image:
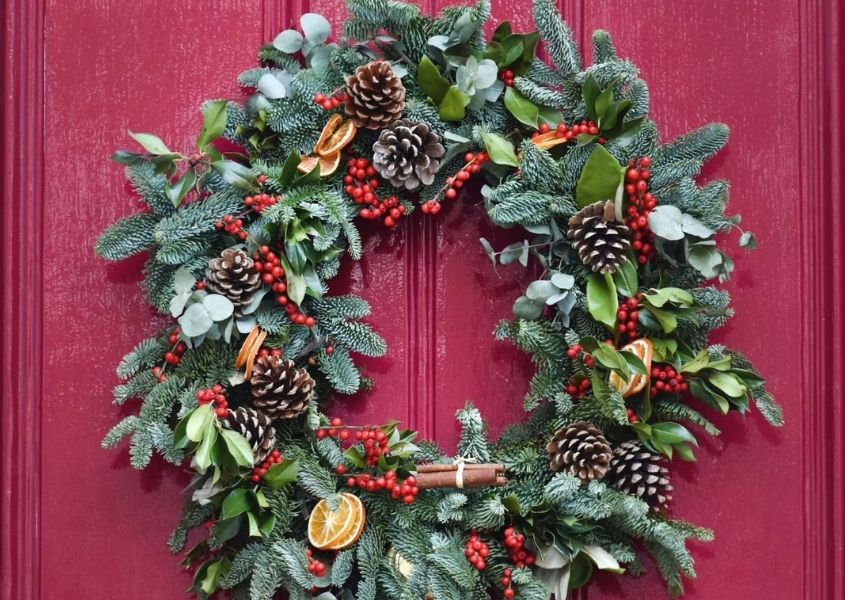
[(78, 522)]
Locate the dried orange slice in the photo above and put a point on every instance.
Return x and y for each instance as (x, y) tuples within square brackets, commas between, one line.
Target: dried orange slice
[(253, 352), (339, 140), (548, 140), (644, 350), (247, 346), (357, 525), (327, 527), (328, 164), (327, 132)]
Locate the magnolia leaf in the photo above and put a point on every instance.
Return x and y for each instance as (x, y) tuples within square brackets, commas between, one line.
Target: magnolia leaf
[(203, 454), (151, 143), (603, 559), (238, 447), (728, 383), (626, 279), (521, 107), (500, 150), (198, 422), (289, 41), (316, 28), (600, 179), (601, 299)]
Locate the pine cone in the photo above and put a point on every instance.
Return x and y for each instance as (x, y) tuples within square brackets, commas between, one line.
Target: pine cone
[(376, 95), (406, 153), (601, 242), (279, 389), (256, 427), (581, 450), (233, 275), (639, 472)]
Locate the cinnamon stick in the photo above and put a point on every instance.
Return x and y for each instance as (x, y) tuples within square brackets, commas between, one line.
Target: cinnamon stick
[(472, 478)]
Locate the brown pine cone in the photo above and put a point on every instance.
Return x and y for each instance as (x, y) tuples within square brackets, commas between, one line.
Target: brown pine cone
[(233, 275), (600, 241), (376, 95), (406, 154), (637, 471), (256, 427), (279, 389), (581, 450)]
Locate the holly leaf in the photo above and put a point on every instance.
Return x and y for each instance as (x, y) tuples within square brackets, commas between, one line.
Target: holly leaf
[(601, 177), (601, 299), (151, 143)]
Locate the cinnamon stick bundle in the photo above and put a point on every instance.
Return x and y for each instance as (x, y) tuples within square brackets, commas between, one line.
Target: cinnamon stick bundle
[(448, 476)]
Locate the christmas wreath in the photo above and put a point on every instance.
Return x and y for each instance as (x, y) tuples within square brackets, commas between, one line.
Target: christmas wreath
[(245, 233)]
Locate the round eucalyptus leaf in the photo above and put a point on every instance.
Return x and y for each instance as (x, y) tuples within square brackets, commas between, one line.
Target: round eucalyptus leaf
[(319, 58), (315, 27), (271, 87), (289, 41), (218, 307), (541, 290), (667, 222), (196, 321), (564, 281), (486, 74), (256, 103), (525, 308)]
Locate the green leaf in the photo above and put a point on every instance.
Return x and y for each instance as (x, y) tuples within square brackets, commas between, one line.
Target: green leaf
[(296, 287), (610, 358), (685, 452), (198, 421), (659, 297), (251, 519), (701, 361), (699, 389), (177, 191), (289, 168), (151, 143), (673, 433), (235, 174), (601, 299), (634, 362), (728, 383), (213, 123), (431, 81), (668, 322), (501, 150), (626, 279), (238, 447), (237, 502), (203, 454), (282, 474), (601, 177), (521, 107), (454, 103), (526, 308)]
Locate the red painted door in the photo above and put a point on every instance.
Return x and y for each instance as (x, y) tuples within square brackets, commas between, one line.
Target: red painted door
[(78, 522)]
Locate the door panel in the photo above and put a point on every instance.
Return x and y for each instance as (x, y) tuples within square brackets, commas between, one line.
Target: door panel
[(146, 66)]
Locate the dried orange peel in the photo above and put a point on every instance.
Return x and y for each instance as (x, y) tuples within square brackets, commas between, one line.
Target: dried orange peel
[(644, 350), (548, 140), (339, 528), (336, 135), (249, 350)]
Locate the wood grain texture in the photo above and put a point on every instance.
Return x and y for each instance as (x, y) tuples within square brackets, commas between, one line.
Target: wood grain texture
[(77, 522)]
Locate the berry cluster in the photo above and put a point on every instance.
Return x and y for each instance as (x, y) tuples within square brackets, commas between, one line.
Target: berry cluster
[(578, 389), (215, 394), (507, 77), (626, 317), (477, 552), (667, 379), (508, 592), (405, 490), (258, 472), (330, 102), (640, 204), (569, 132), (260, 202), (515, 544), (174, 355), (315, 567), (632, 416), (273, 274), (472, 165), (576, 351), (336, 430), (375, 443), (360, 184), (232, 225)]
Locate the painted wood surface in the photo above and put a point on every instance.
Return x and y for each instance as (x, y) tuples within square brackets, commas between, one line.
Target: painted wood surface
[(78, 522)]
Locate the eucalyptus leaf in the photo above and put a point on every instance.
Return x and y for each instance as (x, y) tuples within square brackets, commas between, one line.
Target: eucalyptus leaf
[(195, 321), (315, 27), (219, 307), (541, 290), (288, 41), (525, 308), (666, 221), (271, 87), (563, 281)]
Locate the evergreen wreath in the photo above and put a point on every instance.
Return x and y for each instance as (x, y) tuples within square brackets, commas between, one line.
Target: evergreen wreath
[(245, 234)]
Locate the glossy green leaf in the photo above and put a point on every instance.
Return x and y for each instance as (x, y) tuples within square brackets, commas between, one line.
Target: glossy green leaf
[(198, 422), (235, 174), (177, 191), (626, 279), (282, 474), (213, 123), (728, 383), (501, 150), (151, 143), (521, 107), (601, 299), (431, 81), (601, 177), (453, 105), (203, 453), (238, 447), (239, 501)]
